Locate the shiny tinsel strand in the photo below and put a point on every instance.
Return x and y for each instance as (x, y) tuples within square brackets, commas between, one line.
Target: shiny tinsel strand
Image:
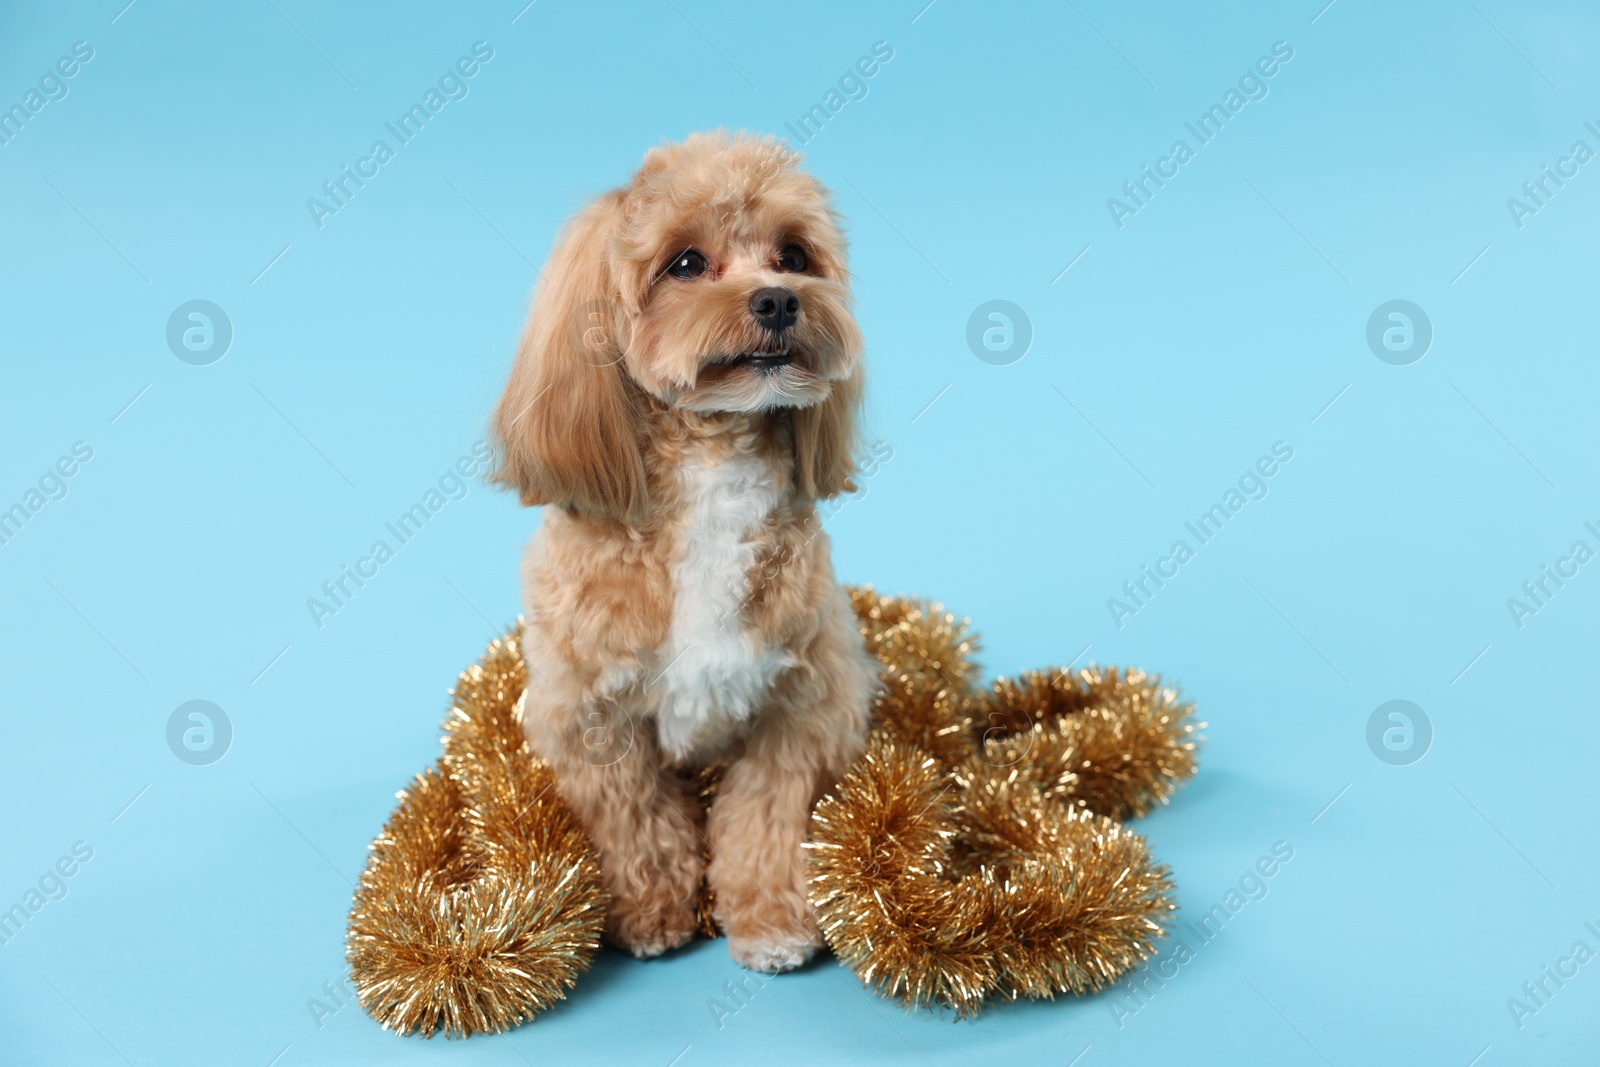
[(706, 782), (879, 861), (481, 902), (1083, 903), (927, 680), (1115, 742), (1046, 899), (968, 856)]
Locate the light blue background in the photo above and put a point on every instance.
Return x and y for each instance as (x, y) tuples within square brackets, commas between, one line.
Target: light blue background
[(1223, 317)]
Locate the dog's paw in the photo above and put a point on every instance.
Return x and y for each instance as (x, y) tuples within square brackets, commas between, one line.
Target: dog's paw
[(773, 953), (650, 926), (655, 945)]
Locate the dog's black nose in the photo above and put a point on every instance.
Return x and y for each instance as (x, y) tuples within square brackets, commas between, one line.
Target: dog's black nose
[(775, 307)]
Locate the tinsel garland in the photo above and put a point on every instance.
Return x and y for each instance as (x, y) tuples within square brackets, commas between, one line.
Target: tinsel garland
[(973, 853), (1115, 742), (481, 902)]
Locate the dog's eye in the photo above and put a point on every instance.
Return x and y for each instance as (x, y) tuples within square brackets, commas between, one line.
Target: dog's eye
[(792, 259), (688, 264)]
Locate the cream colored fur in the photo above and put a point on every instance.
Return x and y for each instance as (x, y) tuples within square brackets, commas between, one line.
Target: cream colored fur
[(681, 604), (717, 671)]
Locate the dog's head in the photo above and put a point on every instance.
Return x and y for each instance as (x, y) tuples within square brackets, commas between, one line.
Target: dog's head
[(715, 281)]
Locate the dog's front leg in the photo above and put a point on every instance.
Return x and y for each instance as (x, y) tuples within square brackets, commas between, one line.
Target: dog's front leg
[(641, 818), (802, 743)]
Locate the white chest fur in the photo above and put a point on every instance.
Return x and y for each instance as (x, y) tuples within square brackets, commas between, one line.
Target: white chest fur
[(716, 671)]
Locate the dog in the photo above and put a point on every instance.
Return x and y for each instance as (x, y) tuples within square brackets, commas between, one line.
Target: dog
[(687, 389)]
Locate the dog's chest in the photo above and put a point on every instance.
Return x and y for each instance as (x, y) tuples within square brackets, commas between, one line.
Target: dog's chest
[(716, 670)]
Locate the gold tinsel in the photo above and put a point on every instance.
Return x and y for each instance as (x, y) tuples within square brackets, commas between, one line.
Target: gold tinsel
[(481, 902), (1115, 742), (972, 853), (927, 672)]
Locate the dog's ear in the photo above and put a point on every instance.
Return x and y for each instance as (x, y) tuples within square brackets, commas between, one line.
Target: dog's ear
[(566, 429), (826, 439)]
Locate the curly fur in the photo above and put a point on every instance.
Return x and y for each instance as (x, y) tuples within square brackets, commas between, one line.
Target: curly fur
[(681, 604)]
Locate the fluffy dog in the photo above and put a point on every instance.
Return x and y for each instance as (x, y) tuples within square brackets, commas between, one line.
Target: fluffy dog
[(686, 390)]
